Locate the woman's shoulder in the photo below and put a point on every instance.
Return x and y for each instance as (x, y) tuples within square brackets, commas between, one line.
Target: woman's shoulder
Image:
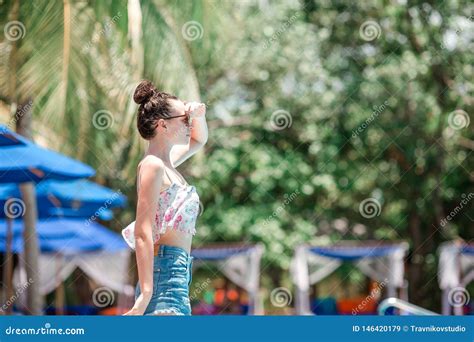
[(149, 168), (151, 162)]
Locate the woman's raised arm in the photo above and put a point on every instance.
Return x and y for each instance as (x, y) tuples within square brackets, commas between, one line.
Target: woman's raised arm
[(199, 135)]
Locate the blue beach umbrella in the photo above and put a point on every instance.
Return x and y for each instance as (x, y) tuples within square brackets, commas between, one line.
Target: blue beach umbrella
[(23, 161), (66, 236), (79, 198), (30, 163), (27, 162), (82, 190), (103, 214), (10, 138)]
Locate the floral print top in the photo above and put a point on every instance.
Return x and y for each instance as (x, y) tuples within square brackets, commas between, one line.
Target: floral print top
[(178, 208)]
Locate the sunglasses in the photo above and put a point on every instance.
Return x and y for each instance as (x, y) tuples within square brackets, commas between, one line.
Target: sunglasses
[(188, 121)]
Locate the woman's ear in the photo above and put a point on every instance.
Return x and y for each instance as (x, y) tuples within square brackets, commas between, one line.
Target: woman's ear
[(162, 123)]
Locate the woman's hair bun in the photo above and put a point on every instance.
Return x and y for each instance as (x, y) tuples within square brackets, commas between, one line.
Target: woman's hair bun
[(144, 91), (154, 105)]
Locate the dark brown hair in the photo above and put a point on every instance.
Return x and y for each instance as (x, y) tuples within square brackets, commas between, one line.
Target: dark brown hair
[(154, 105)]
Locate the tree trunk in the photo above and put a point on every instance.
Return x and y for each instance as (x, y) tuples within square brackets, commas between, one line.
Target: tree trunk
[(415, 266), (8, 267), (30, 237)]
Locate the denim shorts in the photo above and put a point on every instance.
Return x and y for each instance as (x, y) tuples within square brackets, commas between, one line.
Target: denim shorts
[(172, 276)]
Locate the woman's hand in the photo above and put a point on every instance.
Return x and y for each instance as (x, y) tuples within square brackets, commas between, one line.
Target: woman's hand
[(140, 305), (199, 133), (196, 109)]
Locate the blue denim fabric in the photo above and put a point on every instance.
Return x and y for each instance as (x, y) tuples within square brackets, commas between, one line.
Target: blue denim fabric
[(172, 276)]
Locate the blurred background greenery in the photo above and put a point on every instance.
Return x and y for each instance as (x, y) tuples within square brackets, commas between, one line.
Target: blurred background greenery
[(313, 106)]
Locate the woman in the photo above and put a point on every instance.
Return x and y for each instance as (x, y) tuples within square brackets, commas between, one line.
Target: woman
[(167, 205)]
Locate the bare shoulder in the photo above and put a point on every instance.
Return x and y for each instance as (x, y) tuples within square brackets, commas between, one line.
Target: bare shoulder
[(150, 174), (151, 164)]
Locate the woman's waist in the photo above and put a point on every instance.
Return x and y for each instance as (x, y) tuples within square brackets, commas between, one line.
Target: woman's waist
[(172, 245)]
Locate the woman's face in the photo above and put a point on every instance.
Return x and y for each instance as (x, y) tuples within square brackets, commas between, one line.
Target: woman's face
[(179, 130)]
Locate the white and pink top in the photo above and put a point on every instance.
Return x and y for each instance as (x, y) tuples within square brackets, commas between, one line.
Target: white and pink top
[(178, 208)]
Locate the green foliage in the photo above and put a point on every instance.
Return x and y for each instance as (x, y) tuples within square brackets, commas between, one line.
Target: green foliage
[(400, 88), (365, 114)]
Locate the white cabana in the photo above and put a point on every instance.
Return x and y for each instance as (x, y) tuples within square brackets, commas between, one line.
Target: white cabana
[(109, 269), (238, 262), (455, 272), (382, 262), (69, 243)]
